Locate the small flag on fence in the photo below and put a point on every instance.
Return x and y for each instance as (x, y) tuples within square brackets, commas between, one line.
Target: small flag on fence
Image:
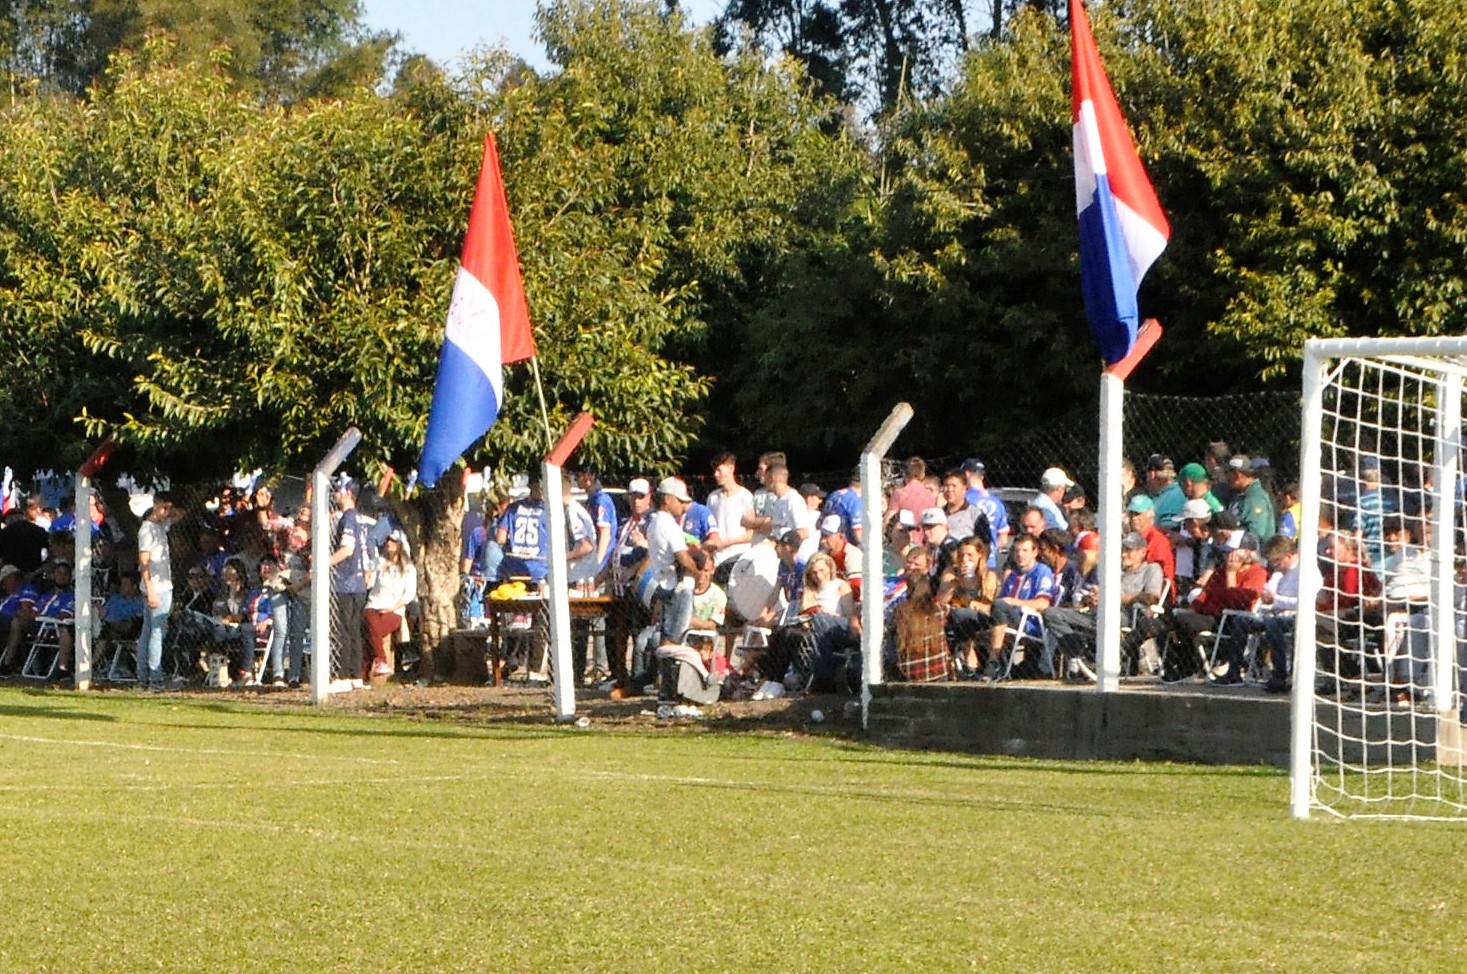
[(488, 327), (1122, 227)]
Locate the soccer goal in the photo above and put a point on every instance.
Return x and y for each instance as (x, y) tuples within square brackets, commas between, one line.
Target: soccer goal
[(1377, 699)]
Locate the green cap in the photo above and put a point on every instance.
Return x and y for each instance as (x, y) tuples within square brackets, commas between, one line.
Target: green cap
[(1140, 504), (1193, 473)]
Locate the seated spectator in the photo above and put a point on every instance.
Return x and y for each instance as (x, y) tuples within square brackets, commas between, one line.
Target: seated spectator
[(1348, 601), (212, 553), (233, 629), (18, 609), (1407, 594), (61, 605), (1070, 625), (1192, 543), (122, 613), (1158, 548), (918, 625), (1237, 585), (1278, 604), (830, 608), (1196, 485), (394, 587), (1290, 511), (1029, 586), (936, 540), (781, 616), (847, 557), (1052, 486), (1086, 548), (967, 590), (894, 551)]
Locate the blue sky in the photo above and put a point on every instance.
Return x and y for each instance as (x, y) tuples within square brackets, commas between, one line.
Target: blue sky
[(445, 29)]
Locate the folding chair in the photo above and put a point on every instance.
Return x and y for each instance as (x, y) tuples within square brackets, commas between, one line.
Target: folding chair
[(45, 652), (1216, 638), (1028, 633)]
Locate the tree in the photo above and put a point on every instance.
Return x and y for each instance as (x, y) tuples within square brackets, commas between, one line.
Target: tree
[(284, 48)]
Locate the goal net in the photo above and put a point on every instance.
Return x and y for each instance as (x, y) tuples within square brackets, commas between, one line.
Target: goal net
[(1378, 640)]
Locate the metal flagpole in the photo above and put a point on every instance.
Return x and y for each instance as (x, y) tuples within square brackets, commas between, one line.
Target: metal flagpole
[(540, 391)]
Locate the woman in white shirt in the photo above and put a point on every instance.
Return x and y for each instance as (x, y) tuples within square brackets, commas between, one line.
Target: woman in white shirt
[(828, 602), (395, 585)]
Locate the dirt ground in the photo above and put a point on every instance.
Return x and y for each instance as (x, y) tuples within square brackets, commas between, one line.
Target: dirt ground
[(519, 703)]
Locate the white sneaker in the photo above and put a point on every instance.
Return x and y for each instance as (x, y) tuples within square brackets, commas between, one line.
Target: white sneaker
[(357, 684), (339, 686), (687, 710), (769, 690)]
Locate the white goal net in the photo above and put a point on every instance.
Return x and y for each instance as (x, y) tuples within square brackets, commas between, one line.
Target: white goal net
[(1378, 641)]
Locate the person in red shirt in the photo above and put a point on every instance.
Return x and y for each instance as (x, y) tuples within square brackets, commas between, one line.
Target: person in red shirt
[(914, 495), (1236, 585), (1347, 606), (1158, 548)]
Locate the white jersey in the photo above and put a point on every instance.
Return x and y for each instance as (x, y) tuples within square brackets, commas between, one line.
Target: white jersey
[(728, 510), (664, 540)]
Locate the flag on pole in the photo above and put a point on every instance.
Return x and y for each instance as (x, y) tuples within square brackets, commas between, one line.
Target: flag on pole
[(488, 327), (1122, 227)]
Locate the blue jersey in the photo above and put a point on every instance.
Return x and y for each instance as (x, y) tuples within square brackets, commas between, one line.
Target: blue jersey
[(846, 504), (60, 605), (25, 597), (527, 541), (1036, 582), (993, 509), (603, 512), (698, 522)]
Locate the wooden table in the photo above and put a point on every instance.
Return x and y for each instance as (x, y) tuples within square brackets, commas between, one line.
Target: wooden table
[(581, 607)]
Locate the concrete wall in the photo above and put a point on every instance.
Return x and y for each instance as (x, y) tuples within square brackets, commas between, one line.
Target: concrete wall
[(1078, 723)]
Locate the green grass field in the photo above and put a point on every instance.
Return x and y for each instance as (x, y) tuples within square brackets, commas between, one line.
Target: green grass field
[(182, 834)]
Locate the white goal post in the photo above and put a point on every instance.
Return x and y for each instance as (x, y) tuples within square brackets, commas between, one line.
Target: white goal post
[(1377, 697)]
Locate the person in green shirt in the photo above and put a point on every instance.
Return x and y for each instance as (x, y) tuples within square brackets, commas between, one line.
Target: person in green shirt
[(1197, 485), (1251, 503)]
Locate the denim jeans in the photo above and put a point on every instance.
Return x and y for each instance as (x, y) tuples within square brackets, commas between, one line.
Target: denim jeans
[(150, 641)]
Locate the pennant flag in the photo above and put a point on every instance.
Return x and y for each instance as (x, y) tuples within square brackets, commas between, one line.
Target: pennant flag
[(488, 327), (1122, 227)]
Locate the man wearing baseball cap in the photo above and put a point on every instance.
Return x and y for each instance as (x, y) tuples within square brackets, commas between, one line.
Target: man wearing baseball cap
[(1052, 486), (669, 560), (847, 557), (1142, 512), (1251, 503), (989, 507), (1196, 485), (1166, 495), (1192, 543)]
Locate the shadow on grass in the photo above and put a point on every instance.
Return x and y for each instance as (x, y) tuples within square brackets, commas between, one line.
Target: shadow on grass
[(53, 713)]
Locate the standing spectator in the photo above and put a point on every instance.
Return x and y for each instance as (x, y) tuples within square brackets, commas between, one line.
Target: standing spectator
[(23, 540), (729, 502), (989, 507), (603, 513), (671, 564), (846, 504), (790, 512), (962, 517), (1251, 504), (348, 563), (157, 581), (1216, 460), (913, 495), (1166, 495), (272, 625), (524, 534), (761, 519), (1052, 486)]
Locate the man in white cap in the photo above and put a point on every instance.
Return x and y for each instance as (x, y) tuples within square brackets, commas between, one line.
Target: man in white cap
[(671, 564), (1192, 542), (936, 538), (847, 557), (1052, 486)]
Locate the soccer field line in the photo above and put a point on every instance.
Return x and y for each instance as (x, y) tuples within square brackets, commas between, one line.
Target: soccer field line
[(750, 786), (212, 752)]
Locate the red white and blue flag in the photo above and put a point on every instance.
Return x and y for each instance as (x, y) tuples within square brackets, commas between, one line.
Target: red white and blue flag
[(1122, 227), (488, 327)]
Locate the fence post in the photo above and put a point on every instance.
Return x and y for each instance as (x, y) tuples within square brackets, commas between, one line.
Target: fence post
[(873, 622), (84, 618), (560, 627), (320, 562)]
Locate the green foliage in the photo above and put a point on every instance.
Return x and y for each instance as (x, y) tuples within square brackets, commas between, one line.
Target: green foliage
[(281, 48)]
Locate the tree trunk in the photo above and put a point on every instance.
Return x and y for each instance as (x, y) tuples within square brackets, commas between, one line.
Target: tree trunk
[(434, 522)]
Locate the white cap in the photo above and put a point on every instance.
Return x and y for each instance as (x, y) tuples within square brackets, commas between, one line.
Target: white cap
[(830, 524), (639, 485), (906, 519), (933, 515), (674, 487), (1196, 509), (1055, 477)]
